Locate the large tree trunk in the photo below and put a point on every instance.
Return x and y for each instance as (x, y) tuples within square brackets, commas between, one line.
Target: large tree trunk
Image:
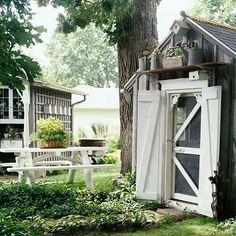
[(140, 35)]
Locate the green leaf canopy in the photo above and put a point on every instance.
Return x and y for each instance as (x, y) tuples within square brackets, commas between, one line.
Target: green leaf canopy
[(81, 57), (16, 31)]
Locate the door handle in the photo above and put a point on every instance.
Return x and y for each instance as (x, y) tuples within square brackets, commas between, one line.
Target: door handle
[(169, 140), (179, 150)]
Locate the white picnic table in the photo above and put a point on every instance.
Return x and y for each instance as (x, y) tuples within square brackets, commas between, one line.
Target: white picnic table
[(53, 159)]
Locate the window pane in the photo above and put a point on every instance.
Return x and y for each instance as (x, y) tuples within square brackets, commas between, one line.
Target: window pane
[(191, 135)]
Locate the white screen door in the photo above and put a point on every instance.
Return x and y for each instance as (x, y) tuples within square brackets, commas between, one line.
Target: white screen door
[(192, 143), (186, 148)]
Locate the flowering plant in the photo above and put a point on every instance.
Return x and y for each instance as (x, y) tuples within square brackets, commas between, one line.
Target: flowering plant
[(49, 130)]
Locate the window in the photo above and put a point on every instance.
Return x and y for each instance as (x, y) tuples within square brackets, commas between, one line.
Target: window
[(11, 106)]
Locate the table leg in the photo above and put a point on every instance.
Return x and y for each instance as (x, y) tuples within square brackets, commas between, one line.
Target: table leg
[(20, 177), (30, 179), (29, 174), (24, 160), (88, 172), (71, 173)]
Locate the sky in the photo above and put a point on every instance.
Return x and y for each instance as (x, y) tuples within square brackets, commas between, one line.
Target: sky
[(167, 12)]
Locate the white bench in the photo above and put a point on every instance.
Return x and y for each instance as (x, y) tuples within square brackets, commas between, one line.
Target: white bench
[(52, 159)]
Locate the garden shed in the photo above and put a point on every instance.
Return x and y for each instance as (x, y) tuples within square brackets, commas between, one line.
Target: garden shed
[(19, 111), (184, 119)]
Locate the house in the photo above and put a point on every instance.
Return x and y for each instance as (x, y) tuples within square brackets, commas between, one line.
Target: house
[(101, 106), (19, 111), (184, 148)]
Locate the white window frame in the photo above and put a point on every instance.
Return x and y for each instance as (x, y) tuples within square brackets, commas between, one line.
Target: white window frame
[(10, 120)]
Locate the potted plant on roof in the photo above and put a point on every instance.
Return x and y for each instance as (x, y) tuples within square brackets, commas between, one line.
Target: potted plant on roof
[(144, 60), (156, 59), (50, 134), (174, 57)]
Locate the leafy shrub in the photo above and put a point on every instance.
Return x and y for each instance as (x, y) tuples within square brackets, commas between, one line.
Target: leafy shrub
[(113, 144), (98, 160), (151, 204), (51, 129), (99, 129), (166, 219), (106, 222), (70, 210), (24, 201), (11, 226), (70, 223), (105, 160), (111, 159), (81, 133), (56, 172), (228, 225), (186, 214)]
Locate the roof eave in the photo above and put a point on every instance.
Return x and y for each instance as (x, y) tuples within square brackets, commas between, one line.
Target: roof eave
[(58, 88), (165, 41)]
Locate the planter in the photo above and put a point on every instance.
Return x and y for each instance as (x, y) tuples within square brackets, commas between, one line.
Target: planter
[(52, 144), (156, 61), (92, 142), (144, 63), (6, 136), (195, 56), (173, 62)]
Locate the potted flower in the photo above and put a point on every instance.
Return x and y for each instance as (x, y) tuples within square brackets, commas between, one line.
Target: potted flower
[(10, 132), (174, 57), (50, 134)]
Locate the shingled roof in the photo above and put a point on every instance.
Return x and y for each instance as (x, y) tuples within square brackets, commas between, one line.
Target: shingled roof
[(225, 34)]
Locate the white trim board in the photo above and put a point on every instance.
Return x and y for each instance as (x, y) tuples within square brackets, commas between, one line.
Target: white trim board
[(184, 84)]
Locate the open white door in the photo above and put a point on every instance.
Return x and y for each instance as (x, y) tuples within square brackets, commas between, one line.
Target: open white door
[(150, 140), (210, 142)]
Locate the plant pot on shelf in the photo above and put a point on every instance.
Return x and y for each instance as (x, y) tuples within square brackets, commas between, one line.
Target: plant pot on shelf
[(144, 63), (171, 62), (156, 61), (6, 135), (174, 57)]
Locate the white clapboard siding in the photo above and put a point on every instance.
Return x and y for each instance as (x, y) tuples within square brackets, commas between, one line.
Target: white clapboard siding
[(150, 139), (210, 138)]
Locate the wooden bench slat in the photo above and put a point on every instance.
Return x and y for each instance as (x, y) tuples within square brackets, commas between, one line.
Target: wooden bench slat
[(8, 164), (45, 163), (74, 167)]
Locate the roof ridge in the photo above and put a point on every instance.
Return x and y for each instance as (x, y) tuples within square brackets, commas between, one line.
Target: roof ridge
[(211, 22)]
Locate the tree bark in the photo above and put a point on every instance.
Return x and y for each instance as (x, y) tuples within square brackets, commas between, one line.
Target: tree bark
[(140, 34)]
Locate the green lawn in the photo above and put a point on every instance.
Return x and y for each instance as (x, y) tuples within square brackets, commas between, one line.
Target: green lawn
[(101, 177)]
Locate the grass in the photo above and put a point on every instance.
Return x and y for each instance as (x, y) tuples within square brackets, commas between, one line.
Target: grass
[(101, 177)]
